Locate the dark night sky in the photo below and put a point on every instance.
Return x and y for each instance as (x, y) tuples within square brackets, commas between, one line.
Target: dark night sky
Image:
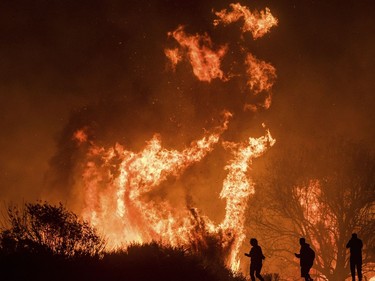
[(68, 64)]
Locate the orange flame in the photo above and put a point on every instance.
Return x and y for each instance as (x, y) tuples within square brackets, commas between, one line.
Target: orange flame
[(258, 23), (261, 75), (174, 56), (116, 182), (318, 214), (80, 136), (237, 188), (204, 60), (116, 179), (314, 209)]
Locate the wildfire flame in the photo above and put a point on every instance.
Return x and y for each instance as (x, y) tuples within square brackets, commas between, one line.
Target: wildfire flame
[(258, 23), (261, 75), (174, 56), (237, 188), (204, 60), (80, 136), (116, 182), (318, 215)]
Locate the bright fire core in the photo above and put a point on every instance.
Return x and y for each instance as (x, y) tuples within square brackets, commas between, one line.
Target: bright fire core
[(116, 181)]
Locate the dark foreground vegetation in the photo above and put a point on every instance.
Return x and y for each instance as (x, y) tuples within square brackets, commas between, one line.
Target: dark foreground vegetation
[(44, 242), (142, 262)]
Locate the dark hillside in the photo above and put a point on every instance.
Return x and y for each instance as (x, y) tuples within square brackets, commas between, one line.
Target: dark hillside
[(139, 262)]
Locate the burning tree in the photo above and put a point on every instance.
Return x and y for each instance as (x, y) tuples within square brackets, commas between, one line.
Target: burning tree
[(324, 197)]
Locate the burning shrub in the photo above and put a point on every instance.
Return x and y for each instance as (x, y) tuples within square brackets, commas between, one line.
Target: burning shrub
[(44, 228)]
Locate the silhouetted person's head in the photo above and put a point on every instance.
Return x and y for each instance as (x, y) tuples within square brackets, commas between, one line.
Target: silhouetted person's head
[(354, 235), (253, 242), (302, 241)]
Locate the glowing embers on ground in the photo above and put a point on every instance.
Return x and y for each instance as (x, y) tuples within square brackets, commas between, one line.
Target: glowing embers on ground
[(115, 181)]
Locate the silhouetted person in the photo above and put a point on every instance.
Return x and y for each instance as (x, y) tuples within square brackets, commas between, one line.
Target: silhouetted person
[(306, 256), (355, 244), (256, 258)]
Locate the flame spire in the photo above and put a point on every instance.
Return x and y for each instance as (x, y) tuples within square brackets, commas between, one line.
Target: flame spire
[(237, 188)]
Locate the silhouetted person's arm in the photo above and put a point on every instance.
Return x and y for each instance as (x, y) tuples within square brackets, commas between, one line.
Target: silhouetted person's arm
[(349, 244)]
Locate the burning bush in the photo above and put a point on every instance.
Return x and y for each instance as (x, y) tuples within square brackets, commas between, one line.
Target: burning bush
[(44, 228)]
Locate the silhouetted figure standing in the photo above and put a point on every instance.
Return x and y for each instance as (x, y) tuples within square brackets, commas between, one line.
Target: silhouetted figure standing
[(355, 244), (306, 256), (256, 258)]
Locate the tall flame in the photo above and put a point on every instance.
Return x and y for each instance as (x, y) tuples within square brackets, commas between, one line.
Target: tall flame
[(237, 188)]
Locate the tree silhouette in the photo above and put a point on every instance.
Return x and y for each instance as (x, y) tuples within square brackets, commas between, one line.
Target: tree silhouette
[(323, 193), (44, 228)]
